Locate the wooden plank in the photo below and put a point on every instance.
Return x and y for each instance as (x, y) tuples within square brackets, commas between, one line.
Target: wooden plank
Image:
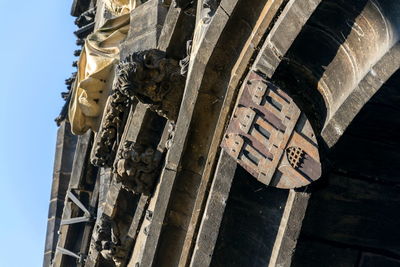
[(213, 213)]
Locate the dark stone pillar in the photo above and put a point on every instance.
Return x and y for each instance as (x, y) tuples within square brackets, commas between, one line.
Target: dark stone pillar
[(65, 149)]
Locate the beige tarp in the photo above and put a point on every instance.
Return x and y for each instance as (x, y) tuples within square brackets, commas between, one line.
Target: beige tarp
[(96, 66)]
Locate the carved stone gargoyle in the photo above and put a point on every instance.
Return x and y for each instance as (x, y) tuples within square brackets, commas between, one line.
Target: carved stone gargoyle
[(107, 241), (153, 79), (137, 167)]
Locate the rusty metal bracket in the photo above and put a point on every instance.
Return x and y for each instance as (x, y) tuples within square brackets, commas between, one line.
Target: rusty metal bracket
[(270, 137)]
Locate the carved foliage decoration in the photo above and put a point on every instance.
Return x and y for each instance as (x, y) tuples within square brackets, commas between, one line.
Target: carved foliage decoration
[(111, 129), (137, 167), (153, 79), (107, 241), (146, 76)]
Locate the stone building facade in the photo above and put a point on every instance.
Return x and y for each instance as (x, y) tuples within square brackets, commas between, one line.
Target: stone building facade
[(229, 133)]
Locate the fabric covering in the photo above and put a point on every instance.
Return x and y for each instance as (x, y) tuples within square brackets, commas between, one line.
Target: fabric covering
[(95, 74)]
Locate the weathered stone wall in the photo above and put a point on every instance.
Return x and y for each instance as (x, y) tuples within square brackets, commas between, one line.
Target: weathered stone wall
[(152, 186)]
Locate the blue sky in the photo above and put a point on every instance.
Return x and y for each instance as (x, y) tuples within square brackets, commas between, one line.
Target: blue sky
[(36, 44)]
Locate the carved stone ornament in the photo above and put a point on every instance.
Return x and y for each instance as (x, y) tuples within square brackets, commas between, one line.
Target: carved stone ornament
[(153, 79), (106, 240), (86, 17), (111, 129), (184, 63), (271, 138), (148, 77), (137, 167)]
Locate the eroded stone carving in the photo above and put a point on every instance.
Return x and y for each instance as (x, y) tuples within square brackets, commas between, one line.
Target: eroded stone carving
[(107, 241), (86, 17), (171, 135), (184, 63), (64, 110), (153, 79), (112, 125), (137, 167), (77, 52), (67, 97), (148, 77), (85, 23)]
